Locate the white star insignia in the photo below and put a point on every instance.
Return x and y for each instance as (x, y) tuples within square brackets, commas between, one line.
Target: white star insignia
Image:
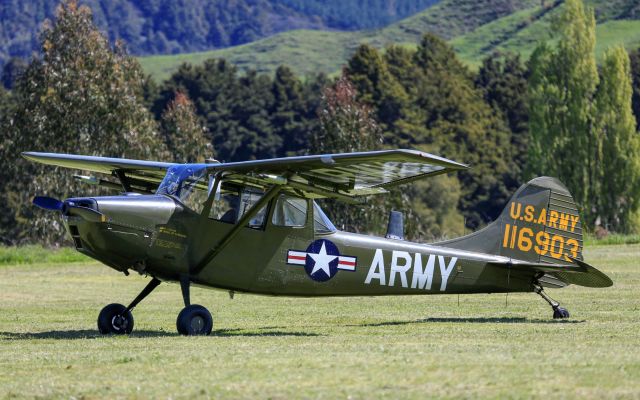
[(322, 260)]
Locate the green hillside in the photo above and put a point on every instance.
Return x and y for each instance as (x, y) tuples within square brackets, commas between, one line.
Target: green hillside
[(310, 51), (523, 30), (475, 28)]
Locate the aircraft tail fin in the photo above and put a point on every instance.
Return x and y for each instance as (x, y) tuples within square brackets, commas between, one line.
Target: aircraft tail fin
[(540, 224)]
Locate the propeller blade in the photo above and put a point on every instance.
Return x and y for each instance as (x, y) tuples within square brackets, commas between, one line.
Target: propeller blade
[(48, 203)]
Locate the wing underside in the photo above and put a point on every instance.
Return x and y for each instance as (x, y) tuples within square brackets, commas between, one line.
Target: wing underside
[(345, 176)]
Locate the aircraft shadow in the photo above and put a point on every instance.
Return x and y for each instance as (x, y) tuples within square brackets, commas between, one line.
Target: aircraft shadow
[(477, 320), (76, 334), (259, 332), (94, 334)]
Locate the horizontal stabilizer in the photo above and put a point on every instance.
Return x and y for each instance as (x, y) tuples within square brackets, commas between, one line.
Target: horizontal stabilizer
[(579, 273)]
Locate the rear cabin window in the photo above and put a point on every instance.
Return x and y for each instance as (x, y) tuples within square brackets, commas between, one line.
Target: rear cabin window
[(290, 211)]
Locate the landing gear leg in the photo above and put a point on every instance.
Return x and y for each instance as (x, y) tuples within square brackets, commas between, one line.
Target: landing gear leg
[(116, 318), (558, 312), (194, 319)]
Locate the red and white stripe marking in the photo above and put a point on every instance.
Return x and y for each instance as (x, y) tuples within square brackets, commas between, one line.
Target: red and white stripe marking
[(345, 263), (296, 257)]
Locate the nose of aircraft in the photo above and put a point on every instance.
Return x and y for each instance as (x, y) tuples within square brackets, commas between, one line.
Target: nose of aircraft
[(117, 230)]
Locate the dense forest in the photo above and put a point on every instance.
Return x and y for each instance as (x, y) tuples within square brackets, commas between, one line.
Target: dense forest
[(556, 114), (180, 26)]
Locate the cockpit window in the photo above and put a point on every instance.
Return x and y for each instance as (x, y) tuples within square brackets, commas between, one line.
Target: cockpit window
[(231, 203), (321, 223), (187, 183)]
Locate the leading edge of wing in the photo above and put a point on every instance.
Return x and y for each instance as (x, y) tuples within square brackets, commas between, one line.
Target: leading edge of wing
[(94, 163), (327, 160)]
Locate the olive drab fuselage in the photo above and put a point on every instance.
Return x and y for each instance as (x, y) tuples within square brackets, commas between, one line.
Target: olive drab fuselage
[(159, 236)]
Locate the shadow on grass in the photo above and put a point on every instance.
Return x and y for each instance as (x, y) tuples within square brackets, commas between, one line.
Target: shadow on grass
[(478, 320), (77, 334), (258, 332), (94, 334)]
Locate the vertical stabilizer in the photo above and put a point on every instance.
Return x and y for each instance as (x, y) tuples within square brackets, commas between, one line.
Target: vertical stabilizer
[(541, 223)]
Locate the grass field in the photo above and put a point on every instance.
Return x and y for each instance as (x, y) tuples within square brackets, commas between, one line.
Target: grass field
[(392, 347)]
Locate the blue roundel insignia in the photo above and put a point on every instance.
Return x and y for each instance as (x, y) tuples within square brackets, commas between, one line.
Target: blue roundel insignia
[(321, 260)]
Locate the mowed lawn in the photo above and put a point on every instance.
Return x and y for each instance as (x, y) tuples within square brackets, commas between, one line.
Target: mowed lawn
[(265, 347)]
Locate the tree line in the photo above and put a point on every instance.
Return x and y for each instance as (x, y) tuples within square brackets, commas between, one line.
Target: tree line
[(556, 114)]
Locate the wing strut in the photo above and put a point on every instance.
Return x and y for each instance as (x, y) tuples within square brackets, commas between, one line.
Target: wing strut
[(270, 194)]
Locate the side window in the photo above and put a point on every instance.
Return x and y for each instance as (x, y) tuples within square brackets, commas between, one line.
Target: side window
[(225, 207), (248, 199), (290, 211), (232, 204)]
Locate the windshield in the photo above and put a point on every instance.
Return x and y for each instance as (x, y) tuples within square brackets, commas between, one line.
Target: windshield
[(321, 223), (180, 182)]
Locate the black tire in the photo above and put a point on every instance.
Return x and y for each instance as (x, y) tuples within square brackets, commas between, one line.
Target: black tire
[(194, 320), (560, 313), (115, 319)]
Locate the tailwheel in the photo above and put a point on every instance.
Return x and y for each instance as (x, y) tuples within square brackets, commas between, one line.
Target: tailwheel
[(560, 313), (194, 320), (115, 319)]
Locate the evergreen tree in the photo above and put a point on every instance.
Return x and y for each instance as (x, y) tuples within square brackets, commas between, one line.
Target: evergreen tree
[(619, 180), (377, 88), (184, 136), (460, 125), (83, 97), (502, 79), (562, 88), (234, 108), (289, 112)]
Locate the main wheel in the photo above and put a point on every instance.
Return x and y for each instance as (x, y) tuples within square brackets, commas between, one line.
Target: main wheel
[(116, 319), (194, 320), (560, 313)]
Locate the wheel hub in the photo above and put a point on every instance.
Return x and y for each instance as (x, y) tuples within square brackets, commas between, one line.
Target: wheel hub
[(197, 324), (119, 322)]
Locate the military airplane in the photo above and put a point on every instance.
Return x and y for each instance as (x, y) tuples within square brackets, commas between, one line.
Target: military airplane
[(255, 227)]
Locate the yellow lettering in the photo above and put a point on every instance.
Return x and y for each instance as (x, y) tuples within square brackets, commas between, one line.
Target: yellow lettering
[(515, 214), (557, 243), (574, 249), (574, 221), (553, 218), (542, 243), (505, 240), (528, 213), (513, 237), (524, 239), (542, 218), (564, 221)]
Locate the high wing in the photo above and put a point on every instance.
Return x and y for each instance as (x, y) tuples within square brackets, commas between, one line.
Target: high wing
[(135, 175), (344, 176)]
